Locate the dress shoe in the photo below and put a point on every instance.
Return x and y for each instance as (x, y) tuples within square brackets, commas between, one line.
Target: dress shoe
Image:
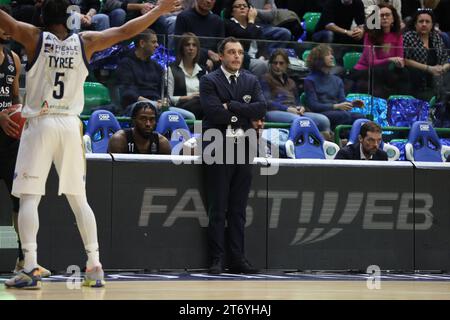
[(216, 267), (243, 266)]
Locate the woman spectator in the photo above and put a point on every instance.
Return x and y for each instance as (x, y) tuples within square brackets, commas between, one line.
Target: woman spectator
[(184, 76), (324, 91), (425, 54), (282, 95), (383, 53), (240, 23)]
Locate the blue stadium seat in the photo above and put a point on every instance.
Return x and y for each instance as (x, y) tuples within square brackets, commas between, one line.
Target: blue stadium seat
[(392, 151), (306, 142), (101, 126), (172, 125), (424, 144)]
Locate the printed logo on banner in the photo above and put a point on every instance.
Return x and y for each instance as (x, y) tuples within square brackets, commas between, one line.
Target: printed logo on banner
[(331, 220)]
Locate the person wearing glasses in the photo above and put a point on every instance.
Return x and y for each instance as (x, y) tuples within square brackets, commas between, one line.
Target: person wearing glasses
[(240, 23), (426, 56), (383, 54)]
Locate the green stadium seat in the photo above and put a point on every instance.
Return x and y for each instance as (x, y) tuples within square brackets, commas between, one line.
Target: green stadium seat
[(5, 2), (311, 19), (95, 94), (305, 55), (350, 60)]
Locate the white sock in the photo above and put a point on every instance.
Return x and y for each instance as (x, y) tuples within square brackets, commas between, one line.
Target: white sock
[(93, 256), (87, 226), (28, 221), (30, 253)]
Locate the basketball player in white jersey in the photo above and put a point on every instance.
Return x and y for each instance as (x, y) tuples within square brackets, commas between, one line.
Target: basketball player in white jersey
[(56, 72)]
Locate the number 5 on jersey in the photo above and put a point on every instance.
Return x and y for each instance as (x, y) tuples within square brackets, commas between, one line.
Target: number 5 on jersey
[(58, 93)]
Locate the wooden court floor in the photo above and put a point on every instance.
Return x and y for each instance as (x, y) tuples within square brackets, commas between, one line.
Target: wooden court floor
[(237, 290)]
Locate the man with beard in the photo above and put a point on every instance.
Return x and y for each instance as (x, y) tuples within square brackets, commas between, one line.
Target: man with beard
[(141, 138), (368, 146)]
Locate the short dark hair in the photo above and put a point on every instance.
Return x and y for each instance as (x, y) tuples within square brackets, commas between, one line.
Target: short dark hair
[(54, 12), (369, 126), (142, 105), (223, 43), (144, 36), (415, 17)]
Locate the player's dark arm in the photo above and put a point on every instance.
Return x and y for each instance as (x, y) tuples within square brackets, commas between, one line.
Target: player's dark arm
[(24, 33), (15, 88), (118, 143), (96, 41), (164, 145)]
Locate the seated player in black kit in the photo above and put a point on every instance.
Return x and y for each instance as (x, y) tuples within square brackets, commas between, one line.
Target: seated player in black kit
[(141, 138)]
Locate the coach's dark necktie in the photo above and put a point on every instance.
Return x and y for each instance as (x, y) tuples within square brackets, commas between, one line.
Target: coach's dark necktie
[(233, 83)]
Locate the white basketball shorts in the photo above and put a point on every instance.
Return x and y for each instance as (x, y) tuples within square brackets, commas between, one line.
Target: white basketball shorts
[(46, 139)]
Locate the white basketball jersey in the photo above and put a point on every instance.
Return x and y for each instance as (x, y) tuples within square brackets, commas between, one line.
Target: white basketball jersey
[(54, 80)]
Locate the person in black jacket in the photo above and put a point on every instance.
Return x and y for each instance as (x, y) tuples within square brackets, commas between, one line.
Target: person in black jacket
[(368, 146), (231, 98)]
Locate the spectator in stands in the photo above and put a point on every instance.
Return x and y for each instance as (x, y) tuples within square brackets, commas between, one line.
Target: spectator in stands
[(90, 16), (240, 23), (266, 15), (140, 78), (426, 56), (397, 4), (383, 54), (442, 12), (324, 91), (203, 23), (301, 6), (141, 138), (368, 147), (335, 24), (120, 11), (283, 98), (184, 76)]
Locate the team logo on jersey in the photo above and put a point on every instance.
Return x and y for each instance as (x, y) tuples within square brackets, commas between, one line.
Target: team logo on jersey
[(49, 48), (44, 108), (103, 117), (174, 118), (9, 79), (247, 98), (11, 68)]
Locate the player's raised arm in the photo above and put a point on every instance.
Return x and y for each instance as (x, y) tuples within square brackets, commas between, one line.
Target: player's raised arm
[(96, 41), (24, 33)]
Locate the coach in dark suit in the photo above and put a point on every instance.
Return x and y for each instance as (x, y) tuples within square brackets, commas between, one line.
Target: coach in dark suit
[(230, 98), (368, 146)]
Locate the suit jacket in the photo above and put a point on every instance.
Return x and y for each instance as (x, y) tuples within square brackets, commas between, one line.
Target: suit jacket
[(246, 103), (352, 152)]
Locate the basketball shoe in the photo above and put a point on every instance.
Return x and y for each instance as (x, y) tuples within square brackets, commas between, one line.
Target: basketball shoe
[(25, 280), (94, 277), (19, 267)]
